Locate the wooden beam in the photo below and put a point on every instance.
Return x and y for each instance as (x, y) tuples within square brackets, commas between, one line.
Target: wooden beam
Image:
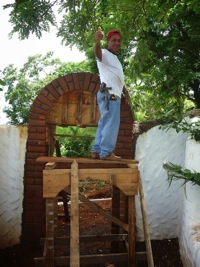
[(93, 105), (55, 180), (74, 222), (50, 165), (145, 224), (79, 108), (93, 206), (65, 240), (65, 109), (85, 160), (49, 244), (93, 259), (131, 233)]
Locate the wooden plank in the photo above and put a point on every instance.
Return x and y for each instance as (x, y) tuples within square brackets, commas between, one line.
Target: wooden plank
[(65, 241), (57, 146), (93, 206), (74, 218), (126, 183), (131, 233), (87, 259), (145, 225), (79, 107), (49, 246), (65, 108), (50, 165), (93, 105), (85, 160), (54, 181), (93, 259), (51, 140)]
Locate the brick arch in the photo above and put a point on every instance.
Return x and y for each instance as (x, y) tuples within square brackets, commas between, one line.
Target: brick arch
[(33, 225)]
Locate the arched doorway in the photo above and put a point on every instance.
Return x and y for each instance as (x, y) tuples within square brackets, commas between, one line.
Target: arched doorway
[(67, 100)]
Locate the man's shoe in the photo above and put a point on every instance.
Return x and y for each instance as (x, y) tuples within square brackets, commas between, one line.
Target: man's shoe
[(95, 155), (112, 156)]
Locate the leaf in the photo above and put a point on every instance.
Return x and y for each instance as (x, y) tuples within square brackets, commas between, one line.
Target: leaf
[(176, 172)]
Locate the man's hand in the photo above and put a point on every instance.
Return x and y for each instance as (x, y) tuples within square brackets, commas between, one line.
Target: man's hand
[(98, 35)]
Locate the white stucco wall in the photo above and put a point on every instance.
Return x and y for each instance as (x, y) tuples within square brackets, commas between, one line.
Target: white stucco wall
[(154, 148), (12, 157), (189, 234), (172, 211)]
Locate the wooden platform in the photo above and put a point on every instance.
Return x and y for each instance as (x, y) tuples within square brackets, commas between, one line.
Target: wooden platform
[(123, 174)]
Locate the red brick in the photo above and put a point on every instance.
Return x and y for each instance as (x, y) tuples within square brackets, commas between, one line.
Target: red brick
[(34, 213), (36, 143), (55, 82), (37, 123), (125, 126), (41, 117), (71, 86), (37, 103), (32, 115), (77, 85), (28, 194), (32, 129), (43, 99), (40, 136), (30, 167), (53, 91), (68, 78), (44, 92), (36, 149), (86, 81), (34, 187), (124, 139), (45, 107), (60, 90), (30, 181), (41, 129), (64, 84)]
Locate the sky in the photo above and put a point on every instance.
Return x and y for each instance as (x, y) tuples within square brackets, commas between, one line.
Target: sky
[(16, 52)]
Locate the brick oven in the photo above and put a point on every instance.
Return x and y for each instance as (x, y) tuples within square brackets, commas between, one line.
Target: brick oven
[(68, 100)]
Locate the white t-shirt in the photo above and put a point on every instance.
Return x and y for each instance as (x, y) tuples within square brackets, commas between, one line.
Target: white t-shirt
[(111, 72)]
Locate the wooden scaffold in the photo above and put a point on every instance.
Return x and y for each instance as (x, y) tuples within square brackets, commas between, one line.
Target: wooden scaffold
[(124, 175)]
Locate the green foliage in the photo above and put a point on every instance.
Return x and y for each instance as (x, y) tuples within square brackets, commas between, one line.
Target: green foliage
[(78, 141), (31, 17), (160, 53), (182, 125), (176, 172), (24, 85), (2, 83)]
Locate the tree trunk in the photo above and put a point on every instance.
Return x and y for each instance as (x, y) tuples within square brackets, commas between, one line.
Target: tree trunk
[(196, 88)]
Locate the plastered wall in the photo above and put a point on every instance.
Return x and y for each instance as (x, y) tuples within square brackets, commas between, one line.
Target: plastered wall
[(189, 231), (172, 211), (12, 158), (154, 148)]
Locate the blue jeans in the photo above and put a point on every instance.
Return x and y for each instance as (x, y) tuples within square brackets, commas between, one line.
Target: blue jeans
[(108, 126)]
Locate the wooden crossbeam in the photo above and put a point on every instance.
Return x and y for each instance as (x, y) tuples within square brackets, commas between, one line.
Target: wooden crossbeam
[(93, 206), (85, 160)]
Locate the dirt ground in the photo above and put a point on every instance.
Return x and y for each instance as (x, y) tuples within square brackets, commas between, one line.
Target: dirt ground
[(165, 252)]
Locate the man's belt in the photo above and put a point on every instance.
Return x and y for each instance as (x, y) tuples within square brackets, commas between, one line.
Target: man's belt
[(106, 95)]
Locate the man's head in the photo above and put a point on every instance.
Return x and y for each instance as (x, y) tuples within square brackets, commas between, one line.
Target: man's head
[(114, 41)]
